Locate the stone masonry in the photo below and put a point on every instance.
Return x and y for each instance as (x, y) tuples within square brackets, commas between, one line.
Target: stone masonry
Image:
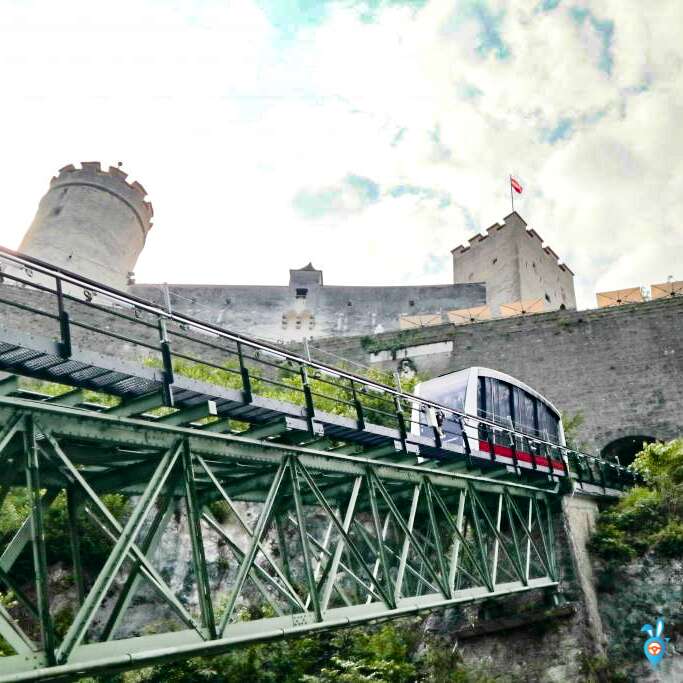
[(516, 266), (620, 368)]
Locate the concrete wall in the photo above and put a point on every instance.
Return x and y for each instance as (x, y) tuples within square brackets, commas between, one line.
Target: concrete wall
[(515, 266), (277, 313), (620, 368), (91, 222), (580, 515)]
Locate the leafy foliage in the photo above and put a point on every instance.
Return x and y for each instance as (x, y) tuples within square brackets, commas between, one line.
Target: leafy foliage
[(54, 389), (8, 601), (284, 383), (95, 547), (572, 428), (648, 517), (391, 653)]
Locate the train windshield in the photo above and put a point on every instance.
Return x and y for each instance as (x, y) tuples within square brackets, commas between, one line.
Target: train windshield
[(450, 393)]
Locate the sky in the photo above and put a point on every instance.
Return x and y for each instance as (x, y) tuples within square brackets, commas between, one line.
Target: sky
[(370, 137)]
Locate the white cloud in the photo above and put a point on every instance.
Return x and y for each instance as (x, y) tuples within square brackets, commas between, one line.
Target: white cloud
[(224, 122)]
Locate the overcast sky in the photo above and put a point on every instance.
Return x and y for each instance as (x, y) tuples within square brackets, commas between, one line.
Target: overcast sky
[(368, 136)]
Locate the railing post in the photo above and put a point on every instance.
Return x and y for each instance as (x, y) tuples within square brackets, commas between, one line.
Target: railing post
[(400, 418), (601, 467), (490, 438), (466, 443), (244, 372), (577, 464), (513, 448), (565, 457), (64, 344), (308, 397), (620, 481), (532, 453), (167, 360), (359, 407), (439, 417)]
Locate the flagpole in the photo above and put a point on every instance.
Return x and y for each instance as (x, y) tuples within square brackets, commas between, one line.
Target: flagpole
[(512, 196)]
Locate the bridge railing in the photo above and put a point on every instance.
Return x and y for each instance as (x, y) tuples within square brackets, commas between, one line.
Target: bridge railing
[(116, 323)]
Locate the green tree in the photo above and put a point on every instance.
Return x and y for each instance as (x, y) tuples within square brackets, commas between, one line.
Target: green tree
[(648, 517)]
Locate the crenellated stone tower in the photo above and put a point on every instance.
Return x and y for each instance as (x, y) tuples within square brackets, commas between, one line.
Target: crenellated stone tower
[(92, 222), (517, 266)]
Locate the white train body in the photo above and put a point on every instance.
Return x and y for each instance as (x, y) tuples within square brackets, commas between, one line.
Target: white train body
[(503, 404)]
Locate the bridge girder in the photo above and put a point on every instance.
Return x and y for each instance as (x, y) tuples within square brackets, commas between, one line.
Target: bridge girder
[(320, 540)]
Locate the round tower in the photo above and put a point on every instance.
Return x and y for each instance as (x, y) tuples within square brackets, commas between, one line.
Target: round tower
[(92, 222)]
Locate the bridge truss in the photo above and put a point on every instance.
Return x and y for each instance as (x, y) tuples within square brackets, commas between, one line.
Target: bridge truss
[(314, 540)]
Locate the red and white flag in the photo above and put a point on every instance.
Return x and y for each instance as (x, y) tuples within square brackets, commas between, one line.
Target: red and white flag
[(515, 185)]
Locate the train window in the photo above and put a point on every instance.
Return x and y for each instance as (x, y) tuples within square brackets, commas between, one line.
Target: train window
[(495, 400), (525, 412), (503, 403), (484, 397), (548, 423)]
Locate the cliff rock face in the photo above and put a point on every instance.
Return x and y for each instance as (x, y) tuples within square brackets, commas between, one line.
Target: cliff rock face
[(642, 591), (526, 638)]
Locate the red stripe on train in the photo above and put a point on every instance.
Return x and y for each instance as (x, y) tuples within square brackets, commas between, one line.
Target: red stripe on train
[(506, 452)]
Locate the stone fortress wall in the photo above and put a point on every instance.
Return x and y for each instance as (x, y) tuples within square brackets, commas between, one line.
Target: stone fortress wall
[(620, 367), (310, 309), (508, 265)]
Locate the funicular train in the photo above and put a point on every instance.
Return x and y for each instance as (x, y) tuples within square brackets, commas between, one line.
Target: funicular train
[(502, 403)]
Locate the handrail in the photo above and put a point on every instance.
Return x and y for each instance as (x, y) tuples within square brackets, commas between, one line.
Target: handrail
[(62, 276)]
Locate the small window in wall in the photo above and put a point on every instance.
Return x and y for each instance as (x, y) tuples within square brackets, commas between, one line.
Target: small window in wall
[(301, 293), (348, 303), (495, 260), (411, 303), (547, 298)]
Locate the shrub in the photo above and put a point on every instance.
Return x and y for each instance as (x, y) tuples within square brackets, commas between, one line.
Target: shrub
[(648, 517), (611, 544), (661, 464), (669, 541), (639, 509)]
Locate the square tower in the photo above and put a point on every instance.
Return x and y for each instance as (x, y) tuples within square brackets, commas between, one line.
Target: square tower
[(516, 267)]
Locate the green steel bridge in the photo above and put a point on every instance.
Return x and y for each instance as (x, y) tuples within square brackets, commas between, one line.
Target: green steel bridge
[(338, 511)]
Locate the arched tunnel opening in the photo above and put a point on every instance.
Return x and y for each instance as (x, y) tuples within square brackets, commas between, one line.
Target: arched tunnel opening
[(626, 448)]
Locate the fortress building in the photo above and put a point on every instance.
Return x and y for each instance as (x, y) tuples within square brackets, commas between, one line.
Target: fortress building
[(516, 267), (92, 222), (95, 223)]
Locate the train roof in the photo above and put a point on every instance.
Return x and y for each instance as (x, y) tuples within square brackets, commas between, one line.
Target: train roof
[(488, 372)]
